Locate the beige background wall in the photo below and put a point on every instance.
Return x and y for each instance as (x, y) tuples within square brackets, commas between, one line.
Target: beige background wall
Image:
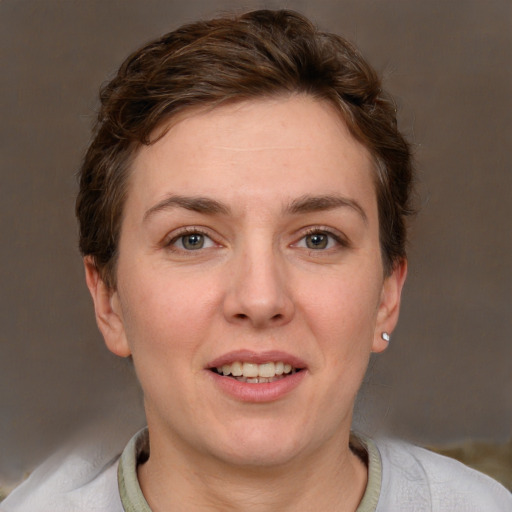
[(448, 373)]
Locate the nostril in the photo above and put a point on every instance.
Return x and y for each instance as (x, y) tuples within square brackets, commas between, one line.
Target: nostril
[(241, 316)]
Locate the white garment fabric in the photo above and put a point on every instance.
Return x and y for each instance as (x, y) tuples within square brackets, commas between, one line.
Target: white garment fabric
[(80, 482), (413, 480), (417, 480), (80, 477)]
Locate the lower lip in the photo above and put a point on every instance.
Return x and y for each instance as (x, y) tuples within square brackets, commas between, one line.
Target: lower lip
[(264, 392)]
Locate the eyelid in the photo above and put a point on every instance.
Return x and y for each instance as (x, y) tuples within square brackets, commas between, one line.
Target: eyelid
[(171, 238), (335, 234)]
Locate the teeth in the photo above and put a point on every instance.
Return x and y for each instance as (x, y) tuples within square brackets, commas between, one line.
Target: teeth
[(250, 370), (237, 369), (253, 373), (267, 370), (257, 380)]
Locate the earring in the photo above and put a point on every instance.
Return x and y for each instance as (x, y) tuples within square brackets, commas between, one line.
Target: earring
[(385, 336)]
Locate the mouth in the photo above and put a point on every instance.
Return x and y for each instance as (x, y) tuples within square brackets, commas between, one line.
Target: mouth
[(257, 377), (254, 373)]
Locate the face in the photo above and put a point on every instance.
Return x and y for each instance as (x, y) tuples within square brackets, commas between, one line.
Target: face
[(250, 286)]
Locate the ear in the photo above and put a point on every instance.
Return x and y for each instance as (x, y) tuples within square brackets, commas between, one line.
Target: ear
[(389, 307), (107, 309)]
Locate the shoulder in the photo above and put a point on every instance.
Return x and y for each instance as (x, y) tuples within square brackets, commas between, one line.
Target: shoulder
[(80, 480), (416, 479)]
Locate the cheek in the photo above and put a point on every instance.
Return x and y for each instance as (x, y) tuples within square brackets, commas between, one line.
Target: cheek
[(343, 321), (164, 317), (338, 302), (341, 311), (165, 326)]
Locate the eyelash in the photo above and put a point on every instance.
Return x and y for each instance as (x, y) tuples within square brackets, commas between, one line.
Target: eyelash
[(337, 237), (169, 242)]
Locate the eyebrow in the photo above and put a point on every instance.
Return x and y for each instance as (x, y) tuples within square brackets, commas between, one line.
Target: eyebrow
[(192, 203), (303, 204), (308, 204)]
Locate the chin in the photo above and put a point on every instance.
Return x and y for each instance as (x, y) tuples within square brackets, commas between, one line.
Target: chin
[(262, 446), (259, 456)]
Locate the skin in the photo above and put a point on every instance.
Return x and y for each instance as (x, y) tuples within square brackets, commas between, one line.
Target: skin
[(254, 285)]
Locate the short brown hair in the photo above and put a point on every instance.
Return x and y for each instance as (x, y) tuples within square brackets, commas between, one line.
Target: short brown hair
[(234, 58)]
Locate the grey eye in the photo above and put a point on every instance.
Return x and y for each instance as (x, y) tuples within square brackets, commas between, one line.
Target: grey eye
[(192, 241), (317, 241)]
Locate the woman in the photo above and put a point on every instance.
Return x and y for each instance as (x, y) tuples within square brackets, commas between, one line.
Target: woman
[(242, 214)]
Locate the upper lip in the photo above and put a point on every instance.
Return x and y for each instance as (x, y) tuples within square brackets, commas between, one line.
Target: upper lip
[(249, 356)]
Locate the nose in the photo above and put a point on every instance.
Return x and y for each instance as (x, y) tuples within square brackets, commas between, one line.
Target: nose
[(258, 293)]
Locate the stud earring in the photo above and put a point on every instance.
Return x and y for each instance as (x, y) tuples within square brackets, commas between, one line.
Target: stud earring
[(385, 336)]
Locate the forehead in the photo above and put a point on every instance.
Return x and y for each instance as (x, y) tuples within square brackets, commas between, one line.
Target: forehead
[(260, 149)]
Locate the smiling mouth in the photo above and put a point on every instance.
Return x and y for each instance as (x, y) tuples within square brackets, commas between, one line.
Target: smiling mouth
[(253, 373)]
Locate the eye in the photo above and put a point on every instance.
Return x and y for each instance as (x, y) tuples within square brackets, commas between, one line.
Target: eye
[(192, 241), (319, 240)]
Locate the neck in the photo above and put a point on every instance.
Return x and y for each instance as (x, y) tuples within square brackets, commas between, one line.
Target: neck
[(331, 479)]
